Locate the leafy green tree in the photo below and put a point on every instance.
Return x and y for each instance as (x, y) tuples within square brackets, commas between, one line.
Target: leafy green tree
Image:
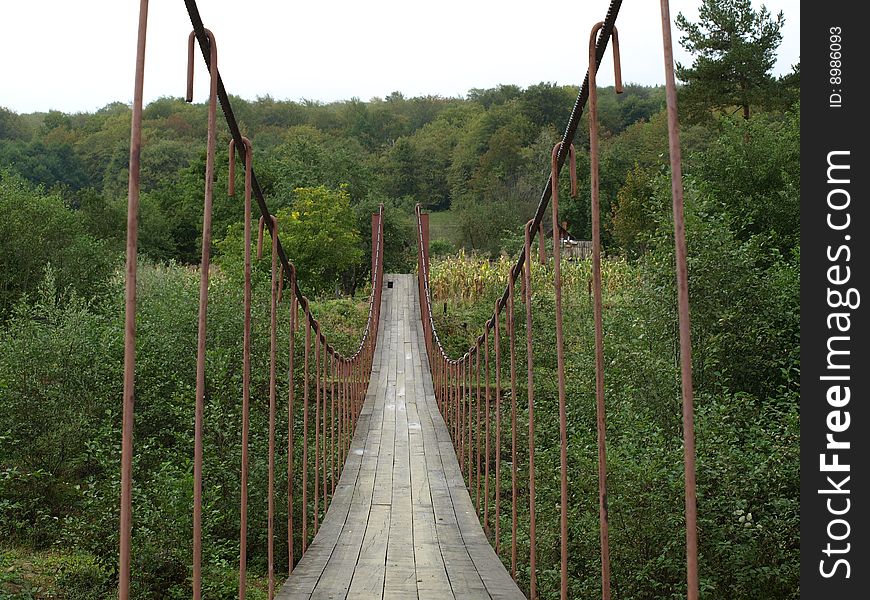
[(38, 229), (497, 95), (401, 169), (753, 170), (634, 211), (735, 49), (12, 126), (547, 103), (319, 233)]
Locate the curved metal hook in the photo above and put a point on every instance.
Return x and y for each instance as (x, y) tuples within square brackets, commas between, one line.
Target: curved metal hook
[(212, 45), (261, 226), (248, 153), (593, 67), (572, 168)]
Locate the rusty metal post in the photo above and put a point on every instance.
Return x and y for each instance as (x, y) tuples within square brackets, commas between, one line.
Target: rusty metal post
[(376, 227), (683, 306), (454, 421), (456, 385), (323, 425), (318, 343), (597, 302), (291, 380), (305, 389), (273, 349), (560, 357), (438, 392), (203, 299), (512, 342), (332, 424), (477, 429), (126, 520), (530, 390), (468, 389), (348, 429), (451, 424), (424, 224), (246, 355), (339, 371), (460, 450), (486, 430), (496, 342), (444, 397)]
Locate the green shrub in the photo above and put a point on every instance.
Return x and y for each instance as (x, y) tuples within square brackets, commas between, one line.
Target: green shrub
[(82, 577)]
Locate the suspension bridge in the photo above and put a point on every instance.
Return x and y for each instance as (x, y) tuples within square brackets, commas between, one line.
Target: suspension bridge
[(403, 445)]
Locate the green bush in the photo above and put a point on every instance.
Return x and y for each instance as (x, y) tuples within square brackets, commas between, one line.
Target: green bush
[(82, 577), (38, 229)]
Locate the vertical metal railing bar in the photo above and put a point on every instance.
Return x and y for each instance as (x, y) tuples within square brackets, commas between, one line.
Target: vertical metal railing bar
[(597, 299), (456, 384), (332, 422), (560, 360), (454, 401), (291, 416), (468, 393), (305, 393), (273, 348), (317, 346), (246, 356), (530, 391), (512, 343), (126, 500), (486, 430), (477, 426), (343, 400), (323, 426), (683, 309), (203, 300), (460, 415), (497, 344)]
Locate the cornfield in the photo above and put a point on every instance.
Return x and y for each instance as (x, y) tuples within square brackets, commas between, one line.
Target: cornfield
[(468, 278)]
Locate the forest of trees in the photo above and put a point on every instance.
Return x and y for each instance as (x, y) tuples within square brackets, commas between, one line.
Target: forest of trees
[(478, 163)]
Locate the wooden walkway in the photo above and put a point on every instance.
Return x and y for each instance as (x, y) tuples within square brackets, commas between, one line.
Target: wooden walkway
[(401, 524)]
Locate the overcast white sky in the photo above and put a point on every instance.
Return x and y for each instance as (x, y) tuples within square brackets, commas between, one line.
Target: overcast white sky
[(79, 56)]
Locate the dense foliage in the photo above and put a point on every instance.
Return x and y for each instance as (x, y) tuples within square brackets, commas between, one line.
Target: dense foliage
[(61, 366)]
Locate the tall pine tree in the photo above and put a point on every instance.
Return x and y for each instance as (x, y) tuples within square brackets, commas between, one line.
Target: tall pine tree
[(734, 48)]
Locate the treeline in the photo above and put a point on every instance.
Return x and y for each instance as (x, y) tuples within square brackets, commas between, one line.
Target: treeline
[(483, 158)]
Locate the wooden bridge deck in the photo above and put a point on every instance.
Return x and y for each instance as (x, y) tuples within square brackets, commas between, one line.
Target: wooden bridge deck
[(401, 524)]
